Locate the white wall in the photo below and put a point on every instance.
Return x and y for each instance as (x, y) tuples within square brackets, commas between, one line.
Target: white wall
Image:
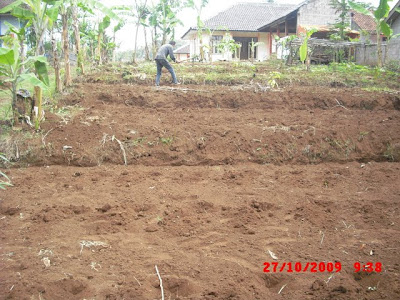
[(317, 12), (10, 19), (263, 50)]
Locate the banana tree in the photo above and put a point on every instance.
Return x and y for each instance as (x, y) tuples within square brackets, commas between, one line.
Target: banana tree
[(153, 24), (305, 50), (141, 12), (253, 46), (11, 71), (41, 13), (75, 25), (65, 14), (20, 33), (163, 16), (91, 7), (198, 5), (379, 15), (103, 25), (228, 45)]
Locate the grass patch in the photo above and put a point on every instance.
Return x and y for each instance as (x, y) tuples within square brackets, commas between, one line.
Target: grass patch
[(273, 73)]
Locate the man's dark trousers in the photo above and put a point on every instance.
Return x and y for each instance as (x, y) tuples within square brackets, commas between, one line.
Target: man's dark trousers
[(164, 63)]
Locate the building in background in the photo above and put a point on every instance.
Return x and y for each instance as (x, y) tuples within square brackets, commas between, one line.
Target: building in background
[(182, 53), (365, 25), (393, 19), (262, 22), (4, 18)]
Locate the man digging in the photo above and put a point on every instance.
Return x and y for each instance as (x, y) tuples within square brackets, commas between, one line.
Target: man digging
[(161, 61)]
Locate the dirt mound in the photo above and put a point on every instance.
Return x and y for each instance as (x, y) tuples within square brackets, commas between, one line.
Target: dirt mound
[(212, 126)]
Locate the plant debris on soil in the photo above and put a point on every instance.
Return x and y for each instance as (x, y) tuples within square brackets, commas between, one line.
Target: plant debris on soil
[(207, 183)]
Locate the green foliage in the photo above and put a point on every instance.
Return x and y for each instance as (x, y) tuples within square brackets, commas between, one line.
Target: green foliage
[(253, 47), (341, 7), (104, 24), (228, 44), (379, 14), (164, 16), (304, 49), (166, 141), (14, 71), (41, 14)]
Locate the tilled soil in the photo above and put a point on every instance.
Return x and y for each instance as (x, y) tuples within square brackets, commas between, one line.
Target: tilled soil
[(218, 181)]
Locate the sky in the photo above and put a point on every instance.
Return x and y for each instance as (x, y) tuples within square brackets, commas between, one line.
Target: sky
[(125, 37)]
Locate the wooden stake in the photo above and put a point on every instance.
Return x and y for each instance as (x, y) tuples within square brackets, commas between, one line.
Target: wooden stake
[(38, 97)]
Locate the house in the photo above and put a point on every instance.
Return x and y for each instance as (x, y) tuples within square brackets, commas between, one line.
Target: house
[(7, 18), (393, 19), (365, 25), (182, 53), (262, 22)]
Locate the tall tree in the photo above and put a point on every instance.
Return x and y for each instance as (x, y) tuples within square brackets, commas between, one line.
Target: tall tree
[(198, 5), (64, 12), (75, 25), (141, 12), (163, 17), (342, 7), (56, 62)]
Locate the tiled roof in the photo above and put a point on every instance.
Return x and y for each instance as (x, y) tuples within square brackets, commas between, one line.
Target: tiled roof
[(4, 3), (183, 50), (249, 16), (363, 21)]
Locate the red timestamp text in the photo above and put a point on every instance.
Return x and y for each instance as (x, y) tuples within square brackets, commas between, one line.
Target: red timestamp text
[(298, 267), (369, 267)]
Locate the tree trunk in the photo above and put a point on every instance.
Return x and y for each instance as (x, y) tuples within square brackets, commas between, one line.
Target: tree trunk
[(154, 42), (98, 54), (77, 38), (146, 46), (136, 38), (201, 49), (14, 103), (113, 50), (67, 66), (22, 54), (210, 51), (56, 62), (379, 47), (38, 102)]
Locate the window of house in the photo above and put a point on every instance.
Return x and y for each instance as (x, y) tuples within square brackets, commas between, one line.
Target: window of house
[(216, 40)]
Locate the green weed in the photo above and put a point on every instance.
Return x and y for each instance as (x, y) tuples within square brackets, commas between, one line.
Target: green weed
[(166, 141)]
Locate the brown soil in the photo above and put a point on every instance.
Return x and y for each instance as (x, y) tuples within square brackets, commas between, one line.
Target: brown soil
[(216, 177)]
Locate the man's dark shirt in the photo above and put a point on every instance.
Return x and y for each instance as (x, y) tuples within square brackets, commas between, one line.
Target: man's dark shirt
[(164, 51)]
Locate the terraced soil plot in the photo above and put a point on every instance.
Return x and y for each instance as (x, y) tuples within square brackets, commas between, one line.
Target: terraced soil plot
[(233, 192)]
